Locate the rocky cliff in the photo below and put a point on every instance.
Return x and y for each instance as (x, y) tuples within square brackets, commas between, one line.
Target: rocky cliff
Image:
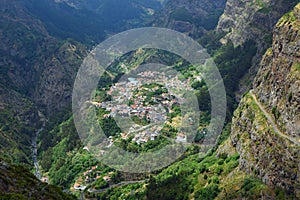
[(277, 84), (243, 20), (265, 127)]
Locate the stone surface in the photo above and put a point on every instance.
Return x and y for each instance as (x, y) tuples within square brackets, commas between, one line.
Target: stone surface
[(263, 151)]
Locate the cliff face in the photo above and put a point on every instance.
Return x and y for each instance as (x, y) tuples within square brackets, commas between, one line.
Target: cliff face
[(243, 20), (55, 78), (192, 17), (277, 84), (265, 127)]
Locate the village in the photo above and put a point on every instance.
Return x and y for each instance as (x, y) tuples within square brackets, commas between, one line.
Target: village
[(150, 97)]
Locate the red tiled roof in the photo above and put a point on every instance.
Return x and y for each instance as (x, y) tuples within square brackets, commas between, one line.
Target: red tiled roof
[(133, 106), (76, 185)]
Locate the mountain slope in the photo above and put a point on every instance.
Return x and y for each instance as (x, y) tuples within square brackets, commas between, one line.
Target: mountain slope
[(265, 129), (37, 73), (243, 20), (16, 182), (19, 118), (192, 17), (251, 20), (90, 22), (35, 64)]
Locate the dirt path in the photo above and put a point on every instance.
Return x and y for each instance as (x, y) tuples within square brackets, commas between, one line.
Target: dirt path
[(273, 124)]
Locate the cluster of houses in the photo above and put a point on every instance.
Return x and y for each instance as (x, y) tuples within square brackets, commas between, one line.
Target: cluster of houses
[(90, 176), (129, 101), (146, 135)]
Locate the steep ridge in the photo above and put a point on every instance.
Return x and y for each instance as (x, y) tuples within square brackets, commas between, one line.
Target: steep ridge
[(19, 118), (36, 73), (33, 63), (265, 127), (277, 83), (271, 121), (245, 20)]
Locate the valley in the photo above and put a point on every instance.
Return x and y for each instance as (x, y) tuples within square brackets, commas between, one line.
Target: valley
[(255, 46)]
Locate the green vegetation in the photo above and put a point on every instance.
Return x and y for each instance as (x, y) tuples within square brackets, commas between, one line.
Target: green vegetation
[(67, 166), (185, 174), (64, 161), (268, 39), (102, 96), (140, 121), (288, 18), (150, 91), (15, 133), (130, 192), (297, 66), (100, 184), (263, 6), (275, 113), (109, 126), (61, 156), (233, 63), (181, 179), (182, 14), (90, 23), (209, 192)]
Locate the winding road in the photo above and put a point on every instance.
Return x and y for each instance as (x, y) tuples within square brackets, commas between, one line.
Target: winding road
[(116, 185), (273, 124)]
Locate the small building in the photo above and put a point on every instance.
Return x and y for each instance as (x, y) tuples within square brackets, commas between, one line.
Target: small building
[(86, 148), (133, 107), (107, 178), (45, 179), (153, 136), (181, 137), (85, 173), (77, 186)]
